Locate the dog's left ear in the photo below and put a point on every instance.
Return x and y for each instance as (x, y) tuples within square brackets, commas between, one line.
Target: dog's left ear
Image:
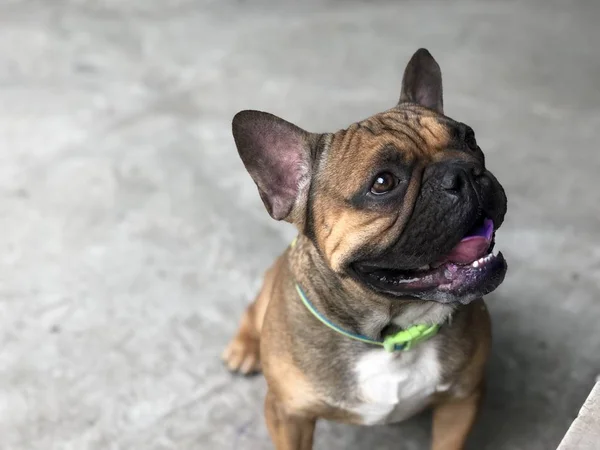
[(276, 154), (422, 82)]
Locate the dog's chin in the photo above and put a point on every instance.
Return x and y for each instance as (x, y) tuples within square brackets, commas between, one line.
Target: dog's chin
[(470, 271)]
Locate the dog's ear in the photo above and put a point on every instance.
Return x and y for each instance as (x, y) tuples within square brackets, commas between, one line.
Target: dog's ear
[(422, 82), (276, 154)]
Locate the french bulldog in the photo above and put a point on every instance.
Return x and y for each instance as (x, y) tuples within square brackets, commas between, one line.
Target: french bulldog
[(376, 312)]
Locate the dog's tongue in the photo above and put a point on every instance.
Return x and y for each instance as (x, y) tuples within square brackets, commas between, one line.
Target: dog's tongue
[(473, 246)]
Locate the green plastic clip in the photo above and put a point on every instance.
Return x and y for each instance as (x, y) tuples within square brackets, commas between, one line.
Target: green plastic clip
[(408, 338)]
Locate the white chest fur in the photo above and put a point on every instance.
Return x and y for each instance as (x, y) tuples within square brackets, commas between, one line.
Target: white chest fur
[(395, 386)]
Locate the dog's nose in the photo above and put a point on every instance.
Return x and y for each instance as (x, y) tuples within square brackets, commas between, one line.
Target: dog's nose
[(456, 178)]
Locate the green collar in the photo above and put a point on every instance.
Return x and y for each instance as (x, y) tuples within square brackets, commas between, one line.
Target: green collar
[(402, 340)]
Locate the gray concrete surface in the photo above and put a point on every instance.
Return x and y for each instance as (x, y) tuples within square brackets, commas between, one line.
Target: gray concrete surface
[(131, 237)]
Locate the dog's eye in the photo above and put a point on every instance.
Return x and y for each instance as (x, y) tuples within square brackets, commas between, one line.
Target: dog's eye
[(384, 182)]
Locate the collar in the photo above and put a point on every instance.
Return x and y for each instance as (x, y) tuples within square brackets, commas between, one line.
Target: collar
[(402, 340)]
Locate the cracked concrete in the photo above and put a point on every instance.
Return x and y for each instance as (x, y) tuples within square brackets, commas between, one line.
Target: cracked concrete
[(132, 237)]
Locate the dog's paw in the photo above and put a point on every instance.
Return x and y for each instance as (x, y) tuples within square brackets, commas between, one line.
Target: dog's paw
[(242, 355)]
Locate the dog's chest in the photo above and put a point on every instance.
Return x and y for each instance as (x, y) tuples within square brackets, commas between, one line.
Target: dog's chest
[(395, 386)]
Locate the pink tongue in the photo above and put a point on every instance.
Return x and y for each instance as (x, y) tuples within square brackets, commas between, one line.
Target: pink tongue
[(473, 246)]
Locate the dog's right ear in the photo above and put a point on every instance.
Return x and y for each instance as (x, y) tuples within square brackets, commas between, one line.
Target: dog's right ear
[(276, 154)]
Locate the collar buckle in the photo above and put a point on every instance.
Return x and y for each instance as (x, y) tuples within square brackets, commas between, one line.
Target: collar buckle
[(406, 339)]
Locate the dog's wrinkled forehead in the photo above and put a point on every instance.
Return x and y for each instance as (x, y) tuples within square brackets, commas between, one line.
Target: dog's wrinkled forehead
[(408, 134)]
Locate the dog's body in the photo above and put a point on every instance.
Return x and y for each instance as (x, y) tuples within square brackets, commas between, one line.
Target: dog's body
[(359, 259)]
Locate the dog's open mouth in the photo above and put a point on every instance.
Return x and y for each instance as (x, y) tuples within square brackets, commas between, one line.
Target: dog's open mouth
[(467, 272)]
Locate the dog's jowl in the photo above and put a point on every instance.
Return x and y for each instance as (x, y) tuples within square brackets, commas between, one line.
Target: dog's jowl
[(375, 312)]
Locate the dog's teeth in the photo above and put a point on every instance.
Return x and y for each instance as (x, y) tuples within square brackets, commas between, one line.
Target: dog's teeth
[(425, 267), (481, 261)]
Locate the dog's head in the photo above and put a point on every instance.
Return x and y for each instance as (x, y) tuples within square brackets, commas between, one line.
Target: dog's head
[(400, 203)]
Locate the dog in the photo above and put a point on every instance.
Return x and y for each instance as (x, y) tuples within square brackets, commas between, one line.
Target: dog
[(375, 312)]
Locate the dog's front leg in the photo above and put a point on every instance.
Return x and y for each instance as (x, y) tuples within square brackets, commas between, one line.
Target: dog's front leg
[(453, 420), (288, 431)]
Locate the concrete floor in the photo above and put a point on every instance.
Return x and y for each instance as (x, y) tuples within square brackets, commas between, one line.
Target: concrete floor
[(132, 238)]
